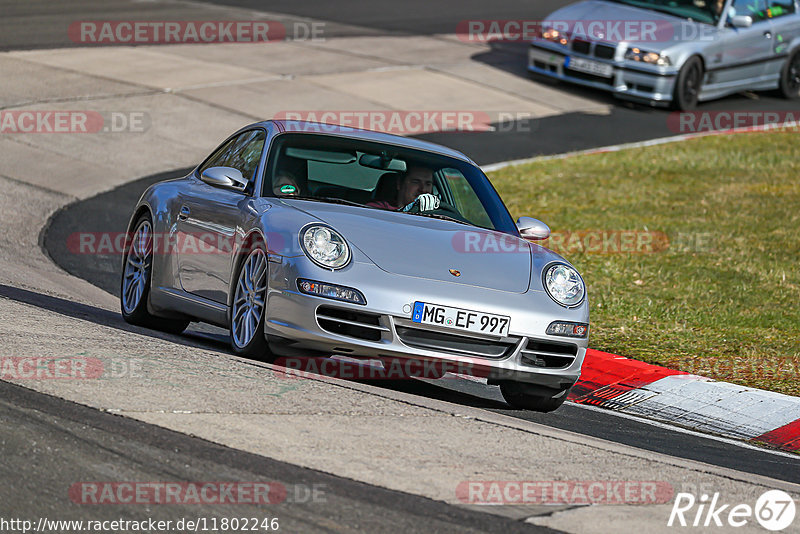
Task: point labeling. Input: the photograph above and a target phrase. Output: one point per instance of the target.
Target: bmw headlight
(643, 56)
(325, 246)
(555, 36)
(564, 285)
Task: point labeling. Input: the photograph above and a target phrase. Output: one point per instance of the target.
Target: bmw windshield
(706, 11)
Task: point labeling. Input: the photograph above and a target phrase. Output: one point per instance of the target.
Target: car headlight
(564, 285)
(325, 246)
(555, 36)
(651, 58)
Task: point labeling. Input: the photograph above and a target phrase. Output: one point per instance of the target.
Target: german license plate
(589, 67)
(458, 319)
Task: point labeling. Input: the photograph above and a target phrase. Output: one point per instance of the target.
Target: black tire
(254, 345)
(688, 85)
(133, 298)
(790, 77)
(529, 397)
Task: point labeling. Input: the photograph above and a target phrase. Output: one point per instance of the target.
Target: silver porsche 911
(677, 52)
(309, 239)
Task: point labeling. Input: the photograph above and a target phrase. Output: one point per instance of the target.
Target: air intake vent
(360, 325)
(549, 355)
(432, 340)
(581, 47)
(604, 51)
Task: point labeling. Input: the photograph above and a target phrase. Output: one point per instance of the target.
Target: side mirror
(532, 229)
(226, 177)
(741, 21)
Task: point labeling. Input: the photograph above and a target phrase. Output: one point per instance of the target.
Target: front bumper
(655, 88)
(383, 328)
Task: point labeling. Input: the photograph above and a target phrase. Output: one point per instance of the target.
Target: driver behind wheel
(414, 191)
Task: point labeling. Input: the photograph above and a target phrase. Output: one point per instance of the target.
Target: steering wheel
(446, 209)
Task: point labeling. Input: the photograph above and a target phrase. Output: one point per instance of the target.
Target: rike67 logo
(774, 510)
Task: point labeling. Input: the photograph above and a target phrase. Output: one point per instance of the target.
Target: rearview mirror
(742, 21)
(383, 162)
(532, 229)
(226, 177)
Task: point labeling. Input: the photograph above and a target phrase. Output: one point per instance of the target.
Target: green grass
(722, 297)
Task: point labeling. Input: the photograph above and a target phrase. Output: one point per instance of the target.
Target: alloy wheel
(249, 300)
(137, 267)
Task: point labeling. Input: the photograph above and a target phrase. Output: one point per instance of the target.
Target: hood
(614, 23)
(423, 247)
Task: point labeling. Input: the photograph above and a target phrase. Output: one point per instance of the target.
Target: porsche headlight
(325, 246)
(643, 56)
(564, 285)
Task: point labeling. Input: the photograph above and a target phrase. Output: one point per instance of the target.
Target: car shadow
(216, 340)
(112, 319)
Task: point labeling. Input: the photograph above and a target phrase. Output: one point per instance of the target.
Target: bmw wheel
(248, 311)
(137, 272)
(688, 85)
(790, 77)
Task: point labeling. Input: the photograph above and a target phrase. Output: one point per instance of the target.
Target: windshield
(706, 11)
(377, 176)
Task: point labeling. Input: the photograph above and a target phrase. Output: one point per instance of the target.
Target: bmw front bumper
(625, 81)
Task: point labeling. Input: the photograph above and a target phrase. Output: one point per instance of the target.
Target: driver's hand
(425, 202)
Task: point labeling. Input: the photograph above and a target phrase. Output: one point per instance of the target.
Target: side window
(466, 200)
(779, 8)
(757, 9)
(243, 152)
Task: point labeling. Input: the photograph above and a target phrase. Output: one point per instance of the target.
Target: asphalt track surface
(103, 270)
(79, 433)
(57, 442)
(44, 24)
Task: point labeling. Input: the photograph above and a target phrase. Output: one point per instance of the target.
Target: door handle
(184, 214)
(768, 34)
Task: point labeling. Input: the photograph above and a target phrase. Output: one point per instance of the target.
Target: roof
(366, 135)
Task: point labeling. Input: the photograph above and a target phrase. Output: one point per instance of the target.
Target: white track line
(682, 430)
(625, 146)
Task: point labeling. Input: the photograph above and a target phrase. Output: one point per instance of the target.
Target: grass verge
(691, 250)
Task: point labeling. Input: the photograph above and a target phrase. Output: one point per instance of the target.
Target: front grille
(581, 47)
(588, 77)
(604, 51)
(357, 324)
(438, 341)
(548, 355)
